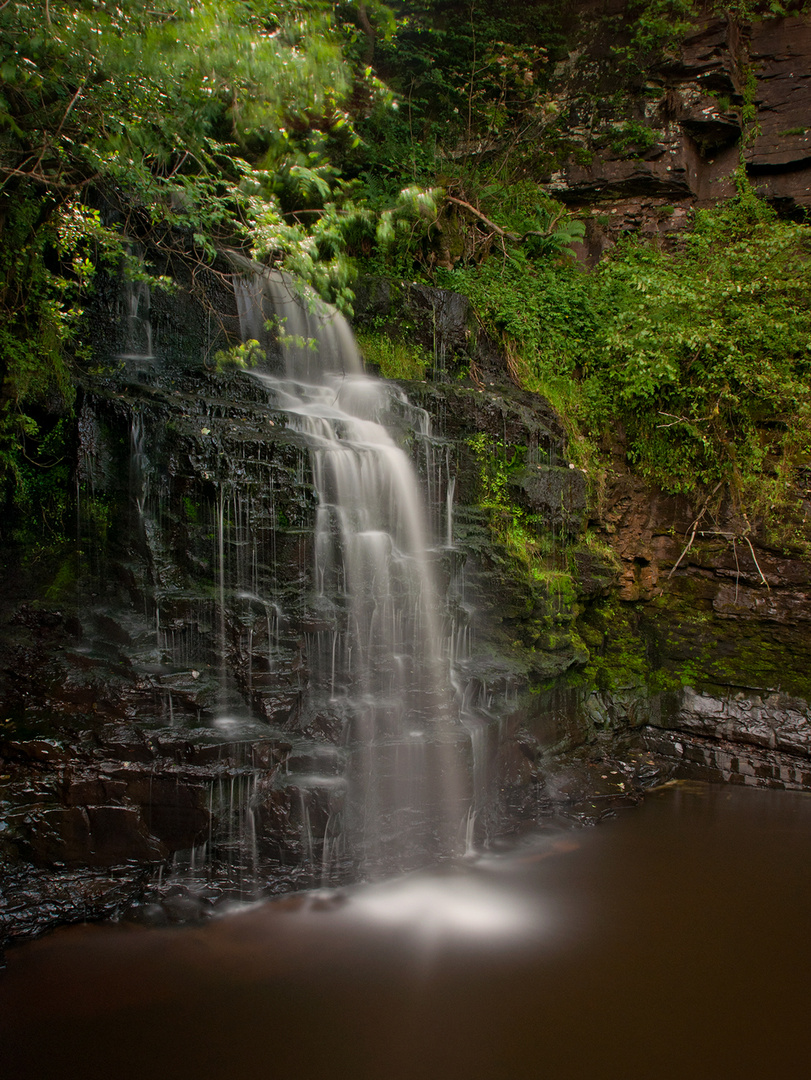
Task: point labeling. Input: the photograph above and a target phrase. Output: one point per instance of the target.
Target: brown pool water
(672, 941)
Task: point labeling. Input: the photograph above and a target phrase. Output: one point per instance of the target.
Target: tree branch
(695, 525)
(481, 217)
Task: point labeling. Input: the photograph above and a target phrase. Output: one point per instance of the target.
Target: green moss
(619, 652)
(678, 641)
(190, 509)
(97, 514)
(695, 647)
(65, 580)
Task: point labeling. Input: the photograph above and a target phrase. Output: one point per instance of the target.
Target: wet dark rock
(103, 820)
(176, 470)
(596, 574)
(732, 734)
(511, 417)
(174, 810)
(592, 782)
(780, 155)
(772, 721)
(441, 322)
(556, 493)
(184, 908)
(324, 726)
(32, 899)
(146, 915)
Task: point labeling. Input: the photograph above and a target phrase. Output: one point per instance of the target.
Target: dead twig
(681, 420)
(733, 538)
(757, 564)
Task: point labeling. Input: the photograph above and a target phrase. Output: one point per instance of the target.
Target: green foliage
(414, 209)
(700, 351)
(700, 359)
(750, 10)
(530, 554)
(43, 485)
(496, 461)
(632, 139)
(545, 314)
(39, 319)
(184, 129)
(511, 526)
(394, 358)
(656, 27)
(555, 234)
(246, 355)
(463, 76)
(227, 123)
(545, 309)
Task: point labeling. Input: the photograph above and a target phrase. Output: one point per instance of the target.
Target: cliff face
(158, 668)
(642, 153)
(703, 597)
(678, 626)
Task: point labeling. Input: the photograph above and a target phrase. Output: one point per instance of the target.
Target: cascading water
(376, 646)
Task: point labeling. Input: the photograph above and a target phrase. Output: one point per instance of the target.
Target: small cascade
(136, 321)
(377, 650)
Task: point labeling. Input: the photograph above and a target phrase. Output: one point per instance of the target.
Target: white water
(135, 302)
(377, 657)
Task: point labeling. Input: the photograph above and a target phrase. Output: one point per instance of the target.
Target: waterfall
(376, 647)
(135, 302)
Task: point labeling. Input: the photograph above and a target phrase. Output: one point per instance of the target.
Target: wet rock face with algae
(186, 599)
(158, 663)
(115, 670)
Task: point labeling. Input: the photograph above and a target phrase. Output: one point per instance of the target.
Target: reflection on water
(670, 942)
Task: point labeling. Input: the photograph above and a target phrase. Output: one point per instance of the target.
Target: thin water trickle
(449, 511)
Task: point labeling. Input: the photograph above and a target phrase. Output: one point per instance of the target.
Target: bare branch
(47, 181)
(49, 144)
(676, 565)
(481, 217)
(732, 537)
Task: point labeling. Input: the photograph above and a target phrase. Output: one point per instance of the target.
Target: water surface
(672, 941)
